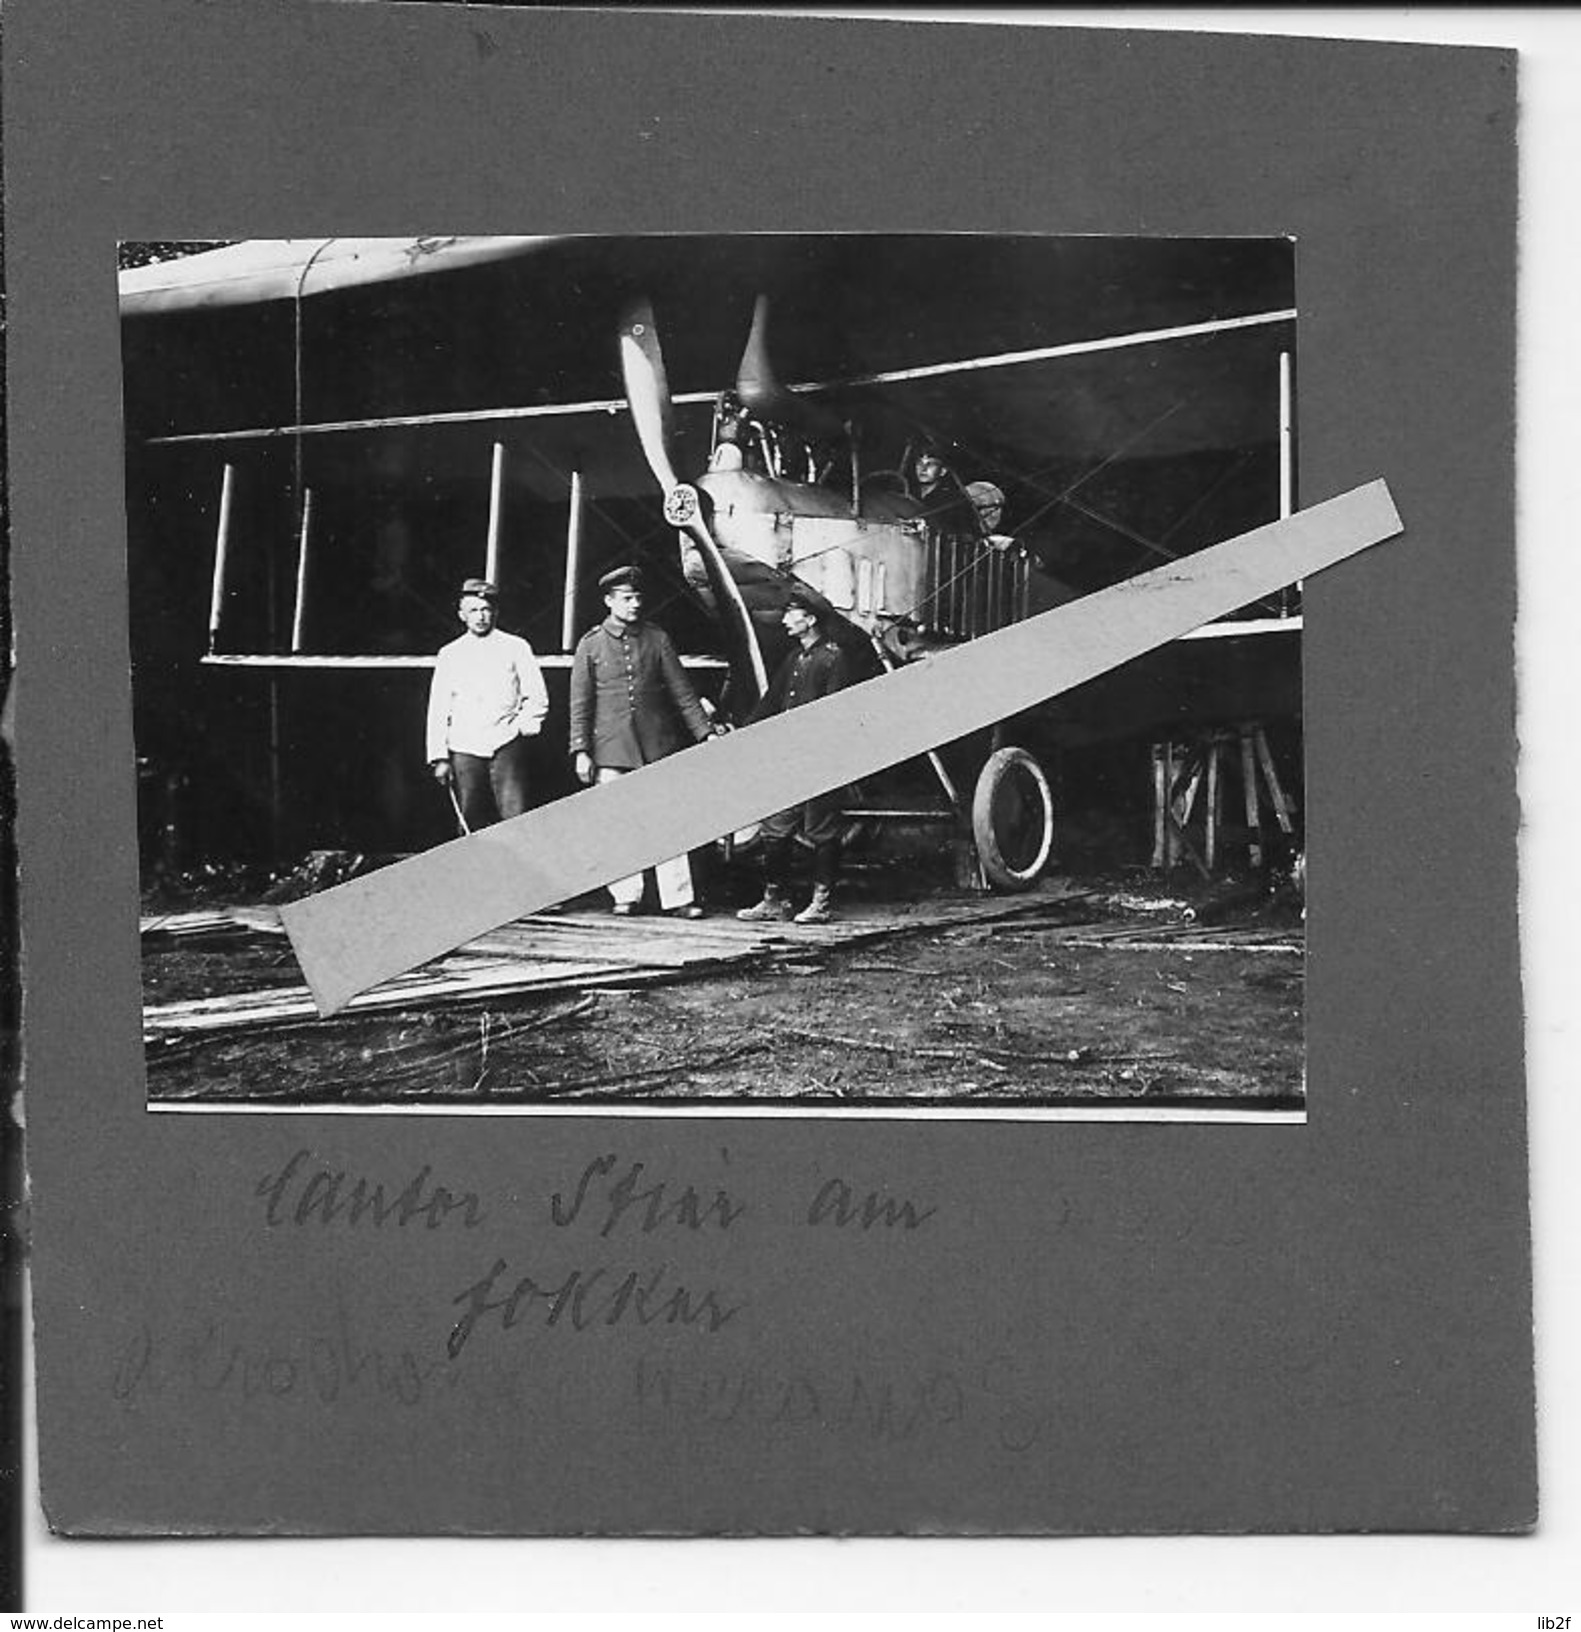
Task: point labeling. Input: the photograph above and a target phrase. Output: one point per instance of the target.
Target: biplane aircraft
(324, 437)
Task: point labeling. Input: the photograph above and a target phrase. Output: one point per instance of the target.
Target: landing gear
(1013, 819)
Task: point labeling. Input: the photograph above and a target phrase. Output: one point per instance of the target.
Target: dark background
(1309, 1328)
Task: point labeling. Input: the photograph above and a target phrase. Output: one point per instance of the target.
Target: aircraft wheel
(1013, 819)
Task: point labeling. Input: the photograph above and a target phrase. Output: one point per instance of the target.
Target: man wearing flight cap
(631, 703)
(487, 697)
(815, 668)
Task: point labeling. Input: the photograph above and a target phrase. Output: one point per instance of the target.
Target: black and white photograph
(427, 533)
(770, 784)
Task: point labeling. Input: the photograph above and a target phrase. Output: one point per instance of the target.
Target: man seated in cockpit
(936, 487)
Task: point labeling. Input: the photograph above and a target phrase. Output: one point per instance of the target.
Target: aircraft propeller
(648, 393)
(759, 388)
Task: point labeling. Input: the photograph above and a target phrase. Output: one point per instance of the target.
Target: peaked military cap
(807, 600)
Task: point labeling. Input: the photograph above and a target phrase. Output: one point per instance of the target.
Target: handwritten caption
(881, 1405)
(611, 1196)
(325, 1366)
(610, 1199)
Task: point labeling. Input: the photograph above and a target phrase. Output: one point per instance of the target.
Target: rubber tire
(1004, 769)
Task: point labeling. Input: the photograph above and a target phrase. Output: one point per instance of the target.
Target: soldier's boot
(818, 910)
(773, 908)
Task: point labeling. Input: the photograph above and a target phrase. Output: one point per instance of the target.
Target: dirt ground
(1111, 989)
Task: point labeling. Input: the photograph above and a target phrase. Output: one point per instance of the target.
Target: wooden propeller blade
(759, 388)
(648, 394)
(747, 669)
(647, 390)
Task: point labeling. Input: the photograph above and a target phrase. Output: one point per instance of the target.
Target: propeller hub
(682, 505)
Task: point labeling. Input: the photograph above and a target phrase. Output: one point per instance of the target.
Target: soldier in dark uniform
(631, 703)
(814, 669)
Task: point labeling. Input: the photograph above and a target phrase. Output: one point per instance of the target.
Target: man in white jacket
(486, 699)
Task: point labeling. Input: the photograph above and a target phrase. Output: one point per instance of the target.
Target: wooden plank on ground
(554, 953)
(289, 1003)
(1143, 943)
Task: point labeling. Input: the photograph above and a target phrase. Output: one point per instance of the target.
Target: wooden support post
(1283, 806)
(1160, 804)
(1171, 842)
(1193, 768)
(1188, 800)
(1183, 776)
(299, 616)
(1249, 785)
(222, 544)
(573, 564)
(1211, 837)
(491, 560)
